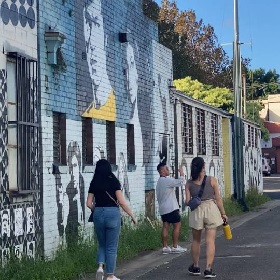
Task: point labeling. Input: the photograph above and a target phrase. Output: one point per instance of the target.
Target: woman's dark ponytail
(196, 167)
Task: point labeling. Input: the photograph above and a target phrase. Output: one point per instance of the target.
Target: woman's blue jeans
(107, 224)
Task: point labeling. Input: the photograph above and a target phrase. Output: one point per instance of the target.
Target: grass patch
(255, 198)
(232, 207)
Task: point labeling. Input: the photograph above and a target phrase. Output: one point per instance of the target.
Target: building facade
(81, 81)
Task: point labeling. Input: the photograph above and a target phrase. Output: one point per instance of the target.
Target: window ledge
(114, 167)
(88, 168)
(131, 167)
(59, 169)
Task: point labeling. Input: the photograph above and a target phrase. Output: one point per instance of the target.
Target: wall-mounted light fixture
(53, 41)
(123, 37)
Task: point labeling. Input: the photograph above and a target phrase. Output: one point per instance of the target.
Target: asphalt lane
(271, 186)
(252, 254)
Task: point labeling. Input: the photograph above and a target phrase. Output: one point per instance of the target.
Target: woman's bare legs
(210, 247)
(196, 246)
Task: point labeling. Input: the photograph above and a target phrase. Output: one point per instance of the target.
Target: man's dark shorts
(171, 218)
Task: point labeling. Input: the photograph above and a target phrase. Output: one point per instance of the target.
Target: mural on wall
(163, 149)
(3, 132)
(131, 87)
(185, 168)
(122, 176)
(5, 223)
(252, 167)
(18, 222)
(19, 12)
(103, 105)
(71, 198)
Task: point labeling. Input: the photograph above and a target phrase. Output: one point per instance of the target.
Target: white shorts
(206, 215)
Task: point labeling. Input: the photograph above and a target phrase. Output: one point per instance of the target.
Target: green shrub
(255, 198)
(232, 207)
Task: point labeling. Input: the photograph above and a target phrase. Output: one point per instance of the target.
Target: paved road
(271, 186)
(252, 254)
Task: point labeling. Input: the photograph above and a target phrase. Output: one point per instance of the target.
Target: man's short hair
(160, 165)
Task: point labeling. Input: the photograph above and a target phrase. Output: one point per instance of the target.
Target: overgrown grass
(254, 198)
(73, 262)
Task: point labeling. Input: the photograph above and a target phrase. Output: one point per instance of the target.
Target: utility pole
(244, 94)
(238, 124)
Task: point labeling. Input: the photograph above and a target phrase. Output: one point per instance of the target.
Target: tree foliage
(194, 45)
(260, 83)
(253, 109)
(218, 97)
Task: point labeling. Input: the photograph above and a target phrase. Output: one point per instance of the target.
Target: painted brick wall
(214, 163)
(20, 230)
(105, 80)
(252, 157)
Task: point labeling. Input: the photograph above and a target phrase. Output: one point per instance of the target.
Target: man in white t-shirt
(169, 207)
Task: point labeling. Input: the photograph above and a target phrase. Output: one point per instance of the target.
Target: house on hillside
(271, 117)
(271, 148)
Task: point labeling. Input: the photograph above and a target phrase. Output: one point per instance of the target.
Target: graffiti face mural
(5, 222)
(122, 176)
(132, 74)
(70, 199)
(103, 105)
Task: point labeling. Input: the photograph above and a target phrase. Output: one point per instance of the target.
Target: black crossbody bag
(196, 200)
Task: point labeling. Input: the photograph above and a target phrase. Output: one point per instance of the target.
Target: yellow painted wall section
(226, 155)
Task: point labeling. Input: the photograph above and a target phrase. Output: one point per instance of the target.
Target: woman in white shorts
(209, 215)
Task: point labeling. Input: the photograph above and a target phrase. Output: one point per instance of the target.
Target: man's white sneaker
(178, 250)
(166, 250)
(100, 273)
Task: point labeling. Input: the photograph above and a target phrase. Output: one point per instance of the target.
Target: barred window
(111, 141)
(249, 136)
(200, 123)
(253, 136)
(87, 141)
(256, 138)
(187, 129)
(130, 144)
(59, 138)
(215, 135)
(23, 123)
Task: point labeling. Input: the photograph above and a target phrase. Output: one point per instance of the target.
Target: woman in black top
(105, 197)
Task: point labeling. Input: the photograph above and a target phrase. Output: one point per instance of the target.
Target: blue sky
(258, 23)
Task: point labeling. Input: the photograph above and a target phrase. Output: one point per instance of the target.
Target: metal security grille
(200, 122)
(26, 121)
(130, 144)
(111, 141)
(249, 136)
(256, 138)
(187, 129)
(87, 141)
(253, 136)
(59, 138)
(215, 135)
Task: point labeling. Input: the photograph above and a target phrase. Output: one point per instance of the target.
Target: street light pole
(238, 124)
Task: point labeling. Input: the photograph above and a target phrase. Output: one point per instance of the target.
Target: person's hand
(181, 172)
(134, 220)
(225, 218)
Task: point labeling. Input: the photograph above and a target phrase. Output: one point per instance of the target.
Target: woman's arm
(122, 202)
(90, 199)
(187, 193)
(218, 198)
